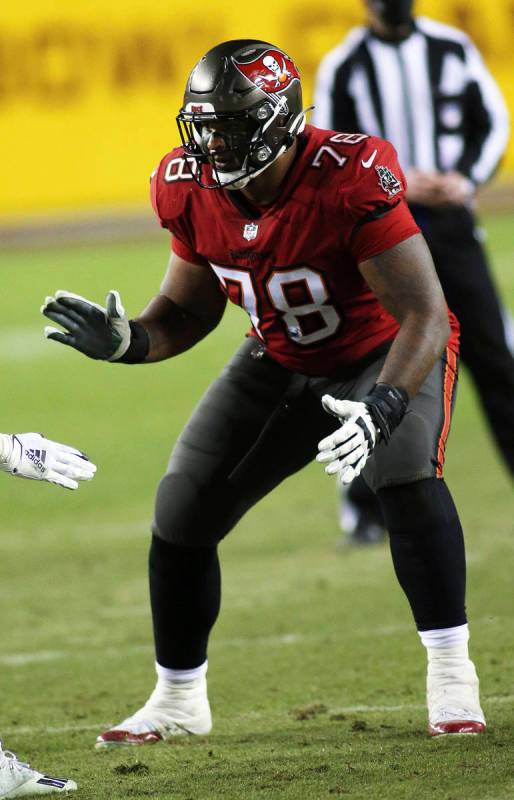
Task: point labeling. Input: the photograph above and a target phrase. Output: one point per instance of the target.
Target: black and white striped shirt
(429, 94)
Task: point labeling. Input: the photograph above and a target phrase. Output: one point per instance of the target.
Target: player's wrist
(10, 451)
(121, 341)
(387, 407)
(138, 346)
(6, 448)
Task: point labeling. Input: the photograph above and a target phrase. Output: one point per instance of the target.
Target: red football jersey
(293, 265)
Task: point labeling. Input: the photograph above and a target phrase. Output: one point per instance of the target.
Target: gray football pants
(258, 423)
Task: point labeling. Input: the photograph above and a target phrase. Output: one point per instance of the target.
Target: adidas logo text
(38, 457)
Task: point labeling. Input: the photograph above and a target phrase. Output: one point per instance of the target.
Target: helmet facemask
(254, 139)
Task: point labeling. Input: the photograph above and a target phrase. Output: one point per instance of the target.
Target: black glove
(98, 332)
(387, 406)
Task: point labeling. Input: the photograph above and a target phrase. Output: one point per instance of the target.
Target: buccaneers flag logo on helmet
(272, 71)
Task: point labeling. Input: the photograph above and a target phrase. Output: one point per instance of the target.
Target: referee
(424, 87)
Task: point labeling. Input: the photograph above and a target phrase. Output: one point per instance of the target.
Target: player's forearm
(418, 345)
(170, 329)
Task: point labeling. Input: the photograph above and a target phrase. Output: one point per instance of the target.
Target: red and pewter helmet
(249, 93)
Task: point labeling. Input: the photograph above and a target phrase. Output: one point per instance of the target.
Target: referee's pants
(462, 267)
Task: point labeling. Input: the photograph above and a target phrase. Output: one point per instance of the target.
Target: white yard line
(496, 700)
(134, 529)
(27, 344)
(112, 651)
(20, 659)
(32, 730)
(281, 640)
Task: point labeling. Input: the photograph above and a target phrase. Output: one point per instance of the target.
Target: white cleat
(19, 780)
(174, 709)
(452, 696)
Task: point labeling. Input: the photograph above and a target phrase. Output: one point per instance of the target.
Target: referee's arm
(334, 106)
(487, 121)
(340, 116)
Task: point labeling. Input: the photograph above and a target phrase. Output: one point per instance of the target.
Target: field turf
(316, 672)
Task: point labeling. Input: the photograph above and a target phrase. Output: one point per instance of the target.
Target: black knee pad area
(165, 556)
(184, 514)
(414, 506)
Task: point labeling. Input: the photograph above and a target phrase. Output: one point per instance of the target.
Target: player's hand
(347, 449)
(34, 457)
(98, 332)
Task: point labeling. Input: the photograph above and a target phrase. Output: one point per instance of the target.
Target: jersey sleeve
(379, 217)
(183, 250)
(170, 207)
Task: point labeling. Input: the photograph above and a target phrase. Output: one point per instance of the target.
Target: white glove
(98, 332)
(349, 447)
(30, 455)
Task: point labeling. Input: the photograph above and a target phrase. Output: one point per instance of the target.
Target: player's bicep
(188, 307)
(404, 279)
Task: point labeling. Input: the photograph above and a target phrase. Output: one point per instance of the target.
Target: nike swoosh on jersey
(367, 164)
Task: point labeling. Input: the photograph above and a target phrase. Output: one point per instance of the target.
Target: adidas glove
(98, 332)
(30, 455)
(363, 425)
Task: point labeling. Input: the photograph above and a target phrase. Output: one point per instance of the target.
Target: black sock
(185, 593)
(427, 546)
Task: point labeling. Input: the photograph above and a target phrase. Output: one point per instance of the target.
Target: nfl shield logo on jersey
(250, 231)
(388, 182)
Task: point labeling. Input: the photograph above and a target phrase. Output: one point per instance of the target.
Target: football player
(30, 455)
(351, 346)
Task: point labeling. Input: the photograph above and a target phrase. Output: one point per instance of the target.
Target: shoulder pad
(374, 177)
(170, 184)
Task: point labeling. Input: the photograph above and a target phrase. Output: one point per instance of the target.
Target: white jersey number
(299, 294)
(306, 317)
(326, 151)
(178, 170)
(243, 282)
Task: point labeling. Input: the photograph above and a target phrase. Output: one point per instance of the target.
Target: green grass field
(316, 672)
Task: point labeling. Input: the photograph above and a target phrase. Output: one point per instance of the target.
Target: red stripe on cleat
(113, 738)
(456, 726)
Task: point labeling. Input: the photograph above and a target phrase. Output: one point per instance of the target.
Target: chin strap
(238, 179)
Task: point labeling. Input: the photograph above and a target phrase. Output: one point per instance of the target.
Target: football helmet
(242, 109)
